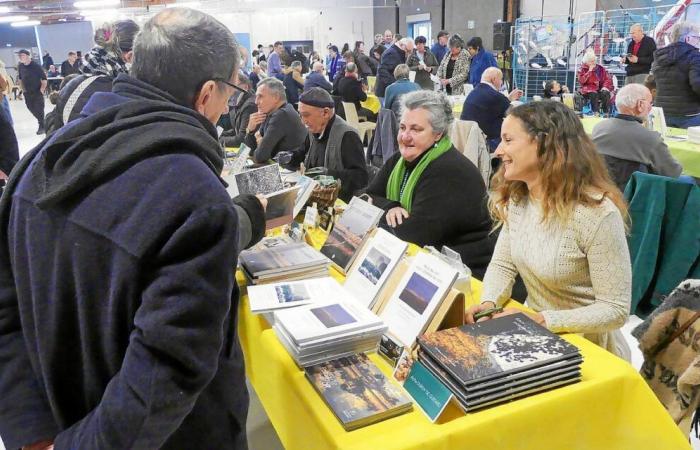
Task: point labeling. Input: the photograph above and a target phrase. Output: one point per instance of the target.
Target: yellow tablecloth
(372, 103)
(611, 409)
(686, 152)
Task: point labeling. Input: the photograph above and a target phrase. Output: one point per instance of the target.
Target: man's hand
(515, 94)
(258, 137)
(262, 200)
(395, 216)
(633, 59)
(254, 121)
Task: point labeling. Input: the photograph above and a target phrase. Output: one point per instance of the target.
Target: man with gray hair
(316, 78)
(331, 143)
(276, 126)
(394, 55)
(627, 145)
(118, 243)
(352, 90)
(293, 82)
(240, 114)
(401, 86)
(677, 71)
(640, 55)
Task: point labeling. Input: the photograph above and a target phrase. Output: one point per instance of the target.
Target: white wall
(59, 39)
(533, 8)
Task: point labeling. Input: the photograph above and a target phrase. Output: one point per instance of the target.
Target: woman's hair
(420, 40)
(475, 43)
(357, 45)
(401, 71)
(379, 49)
(117, 37)
(589, 57)
(437, 105)
(455, 41)
(571, 170)
(346, 47)
(650, 81)
(548, 86)
(348, 56)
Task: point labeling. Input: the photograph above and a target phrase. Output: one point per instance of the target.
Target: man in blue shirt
(439, 49)
(274, 63)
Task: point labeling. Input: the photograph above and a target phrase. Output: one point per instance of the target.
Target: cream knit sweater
(577, 274)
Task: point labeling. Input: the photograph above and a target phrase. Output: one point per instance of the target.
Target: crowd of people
(118, 239)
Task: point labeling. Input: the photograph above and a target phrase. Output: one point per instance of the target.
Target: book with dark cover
(282, 258)
(357, 392)
(350, 232)
(486, 350)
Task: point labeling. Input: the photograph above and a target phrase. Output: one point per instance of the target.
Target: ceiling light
(8, 19)
(4, 9)
(96, 3)
(27, 23)
(193, 5)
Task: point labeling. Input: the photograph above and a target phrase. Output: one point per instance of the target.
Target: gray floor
(261, 434)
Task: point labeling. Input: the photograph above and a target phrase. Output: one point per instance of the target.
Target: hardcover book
(357, 392)
(482, 351)
(298, 255)
(280, 207)
(262, 180)
(350, 232)
(282, 295)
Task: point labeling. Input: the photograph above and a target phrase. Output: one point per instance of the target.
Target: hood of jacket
(673, 54)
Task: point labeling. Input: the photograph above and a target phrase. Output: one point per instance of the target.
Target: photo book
(270, 297)
(357, 392)
(350, 233)
(280, 207)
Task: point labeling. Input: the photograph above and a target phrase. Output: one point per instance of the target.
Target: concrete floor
(261, 434)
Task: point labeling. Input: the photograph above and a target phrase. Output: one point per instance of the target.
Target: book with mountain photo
(350, 232)
(282, 258)
(286, 294)
(491, 349)
(357, 392)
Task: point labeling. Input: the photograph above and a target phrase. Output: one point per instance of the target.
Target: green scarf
(393, 186)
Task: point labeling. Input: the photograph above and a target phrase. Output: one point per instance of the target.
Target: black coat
(118, 299)
(350, 90)
(391, 58)
(677, 71)
(449, 208)
(645, 55)
(239, 116)
(487, 107)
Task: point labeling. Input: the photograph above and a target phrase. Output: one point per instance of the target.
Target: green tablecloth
(686, 152)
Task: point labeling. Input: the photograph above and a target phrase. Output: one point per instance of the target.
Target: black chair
(621, 170)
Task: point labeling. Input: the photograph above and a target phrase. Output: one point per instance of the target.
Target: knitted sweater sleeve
(501, 272)
(611, 278)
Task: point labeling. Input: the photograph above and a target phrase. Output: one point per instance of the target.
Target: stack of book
(357, 392)
(317, 333)
(293, 261)
(499, 360)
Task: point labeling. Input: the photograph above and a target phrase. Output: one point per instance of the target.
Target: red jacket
(595, 80)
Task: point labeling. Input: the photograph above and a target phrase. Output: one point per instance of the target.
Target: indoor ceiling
(53, 11)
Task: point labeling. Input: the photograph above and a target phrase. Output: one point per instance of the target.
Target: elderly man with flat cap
(331, 142)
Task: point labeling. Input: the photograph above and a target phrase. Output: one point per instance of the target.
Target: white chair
(354, 121)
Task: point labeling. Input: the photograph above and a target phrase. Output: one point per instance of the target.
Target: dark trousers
(596, 98)
(35, 104)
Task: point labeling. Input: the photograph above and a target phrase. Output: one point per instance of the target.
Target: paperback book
(270, 297)
(280, 207)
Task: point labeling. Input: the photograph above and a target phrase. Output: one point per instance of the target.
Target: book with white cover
(270, 297)
(306, 187)
(261, 180)
(375, 264)
(319, 321)
(419, 294)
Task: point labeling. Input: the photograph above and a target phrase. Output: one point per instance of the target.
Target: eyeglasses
(238, 88)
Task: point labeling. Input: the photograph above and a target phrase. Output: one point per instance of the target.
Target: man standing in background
(439, 49)
(274, 62)
(33, 80)
(640, 55)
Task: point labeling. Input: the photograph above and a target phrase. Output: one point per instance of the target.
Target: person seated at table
(331, 143)
(480, 60)
(110, 57)
(240, 114)
(293, 82)
(352, 90)
(276, 126)
(454, 67)
(562, 228)
(650, 83)
(486, 105)
(424, 63)
(553, 88)
(677, 71)
(53, 73)
(596, 84)
(431, 193)
(398, 88)
(317, 78)
(627, 145)
(71, 65)
(259, 72)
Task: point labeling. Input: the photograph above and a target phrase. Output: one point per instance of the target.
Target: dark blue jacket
(439, 51)
(677, 71)
(391, 58)
(487, 107)
(292, 88)
(118, 301)
(316, 79)
(481, 61)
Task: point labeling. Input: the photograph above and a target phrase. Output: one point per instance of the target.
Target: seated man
(351, 90)
(240, 115)
(293, 82)
(401, 86)
(316, 78)
(486, 105)
(596, 84)
(276, 126)
(332, 143)
(626, 144)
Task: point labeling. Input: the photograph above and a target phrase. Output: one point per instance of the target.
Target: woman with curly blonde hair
(562, 228)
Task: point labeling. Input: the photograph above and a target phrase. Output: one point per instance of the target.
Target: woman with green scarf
(432, 194)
